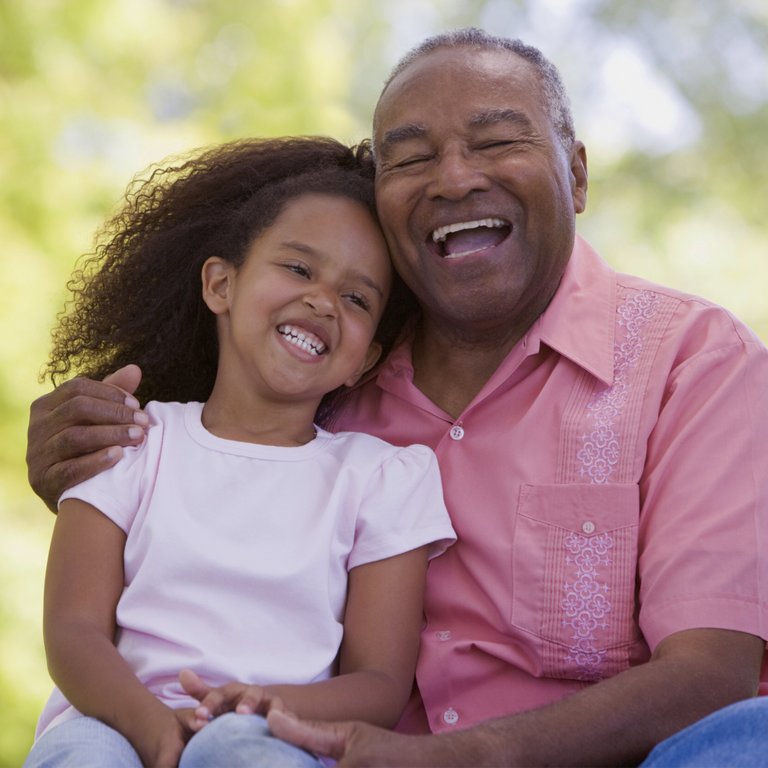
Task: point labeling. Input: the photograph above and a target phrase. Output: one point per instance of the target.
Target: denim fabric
(229, 741)
(734, 737)
(82, 742)
(242, 741)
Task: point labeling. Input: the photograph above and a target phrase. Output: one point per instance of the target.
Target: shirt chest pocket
(574, 560)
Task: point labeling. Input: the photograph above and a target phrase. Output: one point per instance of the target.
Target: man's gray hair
(557, 102)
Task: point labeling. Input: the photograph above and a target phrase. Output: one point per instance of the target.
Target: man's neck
(450, 369)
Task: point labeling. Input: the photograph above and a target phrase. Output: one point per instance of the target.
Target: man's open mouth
(467, 237)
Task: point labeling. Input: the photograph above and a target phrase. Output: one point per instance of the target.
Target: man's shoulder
(685, 313)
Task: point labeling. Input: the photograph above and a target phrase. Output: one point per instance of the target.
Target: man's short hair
(557, 102)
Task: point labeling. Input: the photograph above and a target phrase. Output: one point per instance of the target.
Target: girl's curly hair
(137, 297)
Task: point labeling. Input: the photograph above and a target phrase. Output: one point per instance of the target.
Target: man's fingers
(82, 409)
(329, 739)
(78, 441)
(81, 387)
(66, 474)
(127, 378)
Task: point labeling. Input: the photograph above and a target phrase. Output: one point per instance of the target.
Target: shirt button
(443, 634)
(588, 527)
(456, 432)
(450, 716)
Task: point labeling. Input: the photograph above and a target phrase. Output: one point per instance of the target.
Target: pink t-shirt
(609, 487)
(237, 554)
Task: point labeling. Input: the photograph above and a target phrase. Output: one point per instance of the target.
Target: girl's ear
(371, 358)
(217, 276)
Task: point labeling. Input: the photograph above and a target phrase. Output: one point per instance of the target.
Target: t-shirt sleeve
(704, 522)
(402, 509)
(117, 492)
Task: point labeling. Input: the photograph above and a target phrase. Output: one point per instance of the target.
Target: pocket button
(588, 527)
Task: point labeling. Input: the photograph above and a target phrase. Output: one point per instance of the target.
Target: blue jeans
(242, 741)
(229, 741)
(82, 742)
(734, 737)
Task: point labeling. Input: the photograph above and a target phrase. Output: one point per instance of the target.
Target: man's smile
(467, 237)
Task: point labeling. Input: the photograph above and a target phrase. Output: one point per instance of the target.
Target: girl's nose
(321, 300)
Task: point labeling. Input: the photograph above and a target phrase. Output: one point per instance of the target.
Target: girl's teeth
(309, 344)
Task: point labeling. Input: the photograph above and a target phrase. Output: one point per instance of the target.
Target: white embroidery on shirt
(586, 604)
(600, 449)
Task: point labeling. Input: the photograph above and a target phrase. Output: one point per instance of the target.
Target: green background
(671, 98)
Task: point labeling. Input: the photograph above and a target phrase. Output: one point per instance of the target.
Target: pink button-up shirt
(608, 485)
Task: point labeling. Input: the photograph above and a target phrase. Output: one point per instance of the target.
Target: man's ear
(217, 276)
(371, 358)
(579, 176)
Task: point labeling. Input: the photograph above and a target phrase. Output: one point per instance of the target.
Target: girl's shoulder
(365, 448)
(162, 412)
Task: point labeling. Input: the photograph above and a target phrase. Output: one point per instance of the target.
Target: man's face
(476, 193)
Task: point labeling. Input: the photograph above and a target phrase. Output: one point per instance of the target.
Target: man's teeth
(306, 341)
(442, 232)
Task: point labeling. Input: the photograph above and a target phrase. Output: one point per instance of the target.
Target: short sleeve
(402, 509)
(704, 524)
(117, 492)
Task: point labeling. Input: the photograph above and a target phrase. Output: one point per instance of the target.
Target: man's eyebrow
(496, 116)
(297, 245)
(488, 117)
(400, 134)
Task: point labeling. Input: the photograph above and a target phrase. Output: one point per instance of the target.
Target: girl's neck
(286, 424)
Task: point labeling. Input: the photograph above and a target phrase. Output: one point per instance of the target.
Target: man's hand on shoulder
(80, 429)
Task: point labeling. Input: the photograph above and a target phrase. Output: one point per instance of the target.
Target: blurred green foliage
(93, 91)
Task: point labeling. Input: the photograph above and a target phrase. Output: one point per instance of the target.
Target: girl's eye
(359, 300)
(298, 269)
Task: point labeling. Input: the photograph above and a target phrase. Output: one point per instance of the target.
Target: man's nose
(456, 174)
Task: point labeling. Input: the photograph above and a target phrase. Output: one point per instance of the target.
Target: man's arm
(78, 430)
(614, 722)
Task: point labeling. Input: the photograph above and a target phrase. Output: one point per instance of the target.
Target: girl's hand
(162, 739)
(232, 697)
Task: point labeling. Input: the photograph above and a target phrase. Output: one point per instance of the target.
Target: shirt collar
(579, 322)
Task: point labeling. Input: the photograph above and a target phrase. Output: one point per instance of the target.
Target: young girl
(240, 541)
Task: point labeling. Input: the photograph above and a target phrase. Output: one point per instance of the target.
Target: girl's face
(296, 320)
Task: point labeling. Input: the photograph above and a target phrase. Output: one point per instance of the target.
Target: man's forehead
(494, 68)
(483, 62)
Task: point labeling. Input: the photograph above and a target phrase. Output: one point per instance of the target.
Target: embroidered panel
(586, 603)
(600, 449)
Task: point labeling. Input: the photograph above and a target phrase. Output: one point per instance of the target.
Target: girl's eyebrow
(297, 245)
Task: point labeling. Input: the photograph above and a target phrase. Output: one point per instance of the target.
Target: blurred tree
(670, 95)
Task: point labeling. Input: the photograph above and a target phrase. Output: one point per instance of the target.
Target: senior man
(603, 442)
